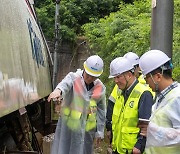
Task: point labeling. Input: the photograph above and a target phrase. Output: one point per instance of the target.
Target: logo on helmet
(94, 68)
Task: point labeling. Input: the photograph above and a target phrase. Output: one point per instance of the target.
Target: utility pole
(162, 25)
(57, 26)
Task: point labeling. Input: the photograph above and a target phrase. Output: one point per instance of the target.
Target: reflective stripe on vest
(116, 91)
(125, 119)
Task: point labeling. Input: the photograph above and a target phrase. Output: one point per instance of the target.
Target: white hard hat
(132, 57)
(152, 60)
(94, 66)
(119, 65)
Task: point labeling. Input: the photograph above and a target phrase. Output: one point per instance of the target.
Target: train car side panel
(24, 69)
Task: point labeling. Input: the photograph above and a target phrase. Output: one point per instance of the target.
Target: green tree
(120, 32)
(45, 11)
(73, 14)
(128, 30)
(176, 41)
(112, 27)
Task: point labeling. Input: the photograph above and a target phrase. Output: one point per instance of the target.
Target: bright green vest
(73, 117)
(125, 119)
(116, 91)
(142, 80)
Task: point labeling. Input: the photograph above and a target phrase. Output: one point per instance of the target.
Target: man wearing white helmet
(134, 59)
(163, 130)
(82, 116)
(133, 101)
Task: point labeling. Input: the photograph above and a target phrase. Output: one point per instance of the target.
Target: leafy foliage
(45, 12)
(110, 33)
(129, 30)
(176, 41)
(73, 14)
(120, 32)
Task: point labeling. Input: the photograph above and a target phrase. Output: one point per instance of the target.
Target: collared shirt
(163, 93)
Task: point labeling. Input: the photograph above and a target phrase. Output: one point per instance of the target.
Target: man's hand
(143, 131)
(55, 95)
(143, 128)
(136, 151)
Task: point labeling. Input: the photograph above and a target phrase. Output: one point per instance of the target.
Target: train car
(25, 79)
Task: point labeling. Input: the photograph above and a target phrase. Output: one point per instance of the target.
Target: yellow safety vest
(141, 80)
(125, 119)
(73, 113)
(91, 119)
(116, 91)
(72, 117)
